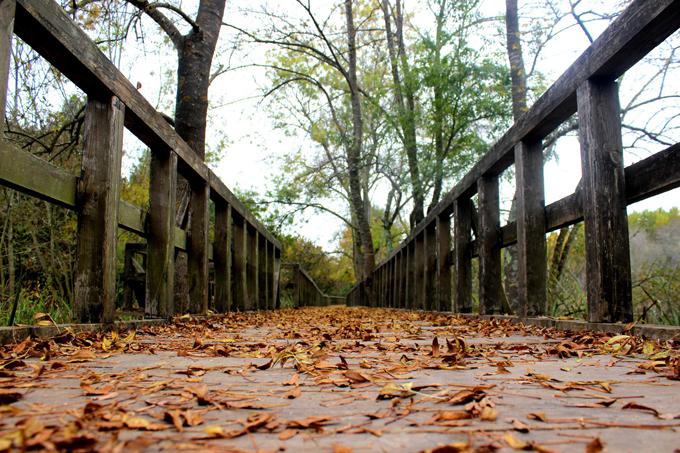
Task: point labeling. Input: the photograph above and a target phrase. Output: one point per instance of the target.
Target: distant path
(353, 380)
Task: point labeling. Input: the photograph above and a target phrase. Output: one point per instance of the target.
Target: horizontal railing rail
(305, 291)
(246, 256)
(418, 273)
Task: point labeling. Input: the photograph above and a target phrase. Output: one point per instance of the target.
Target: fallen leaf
(595, 446)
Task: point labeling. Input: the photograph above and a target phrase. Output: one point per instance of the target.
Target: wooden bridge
(414, 370)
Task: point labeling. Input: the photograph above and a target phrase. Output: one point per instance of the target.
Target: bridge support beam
(444, 262)
(222, 257)
(197, 247)
(98, 195)
(239, 265)
(160, 272)
(490, 290)
(462, 225)
(604, 203)
(531, 248)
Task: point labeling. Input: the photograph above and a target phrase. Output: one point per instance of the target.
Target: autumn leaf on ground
(392, 390)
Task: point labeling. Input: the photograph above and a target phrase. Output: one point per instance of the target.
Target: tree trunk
(517, 71)
(404, 97)
(354, 151)
(519, 107)
(194, 58)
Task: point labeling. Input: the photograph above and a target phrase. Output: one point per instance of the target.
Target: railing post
(418, 287)
(604, 203)
(462, 225)
(160, 272)
(197, 246)
(262, 269)
(222, 257)
(393, 281)
(98, 195)
(253, 269)
(443, 261)
(7, 10)
(430, 269)
(410, 277)
(490, 291)
(531, 281)
(239, 264)
(403, 277)
(269, 255)
(276, 271)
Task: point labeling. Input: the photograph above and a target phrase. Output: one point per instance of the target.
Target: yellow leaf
(514, 442)
(213, 430)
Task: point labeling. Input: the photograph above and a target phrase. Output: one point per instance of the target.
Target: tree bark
(519, 107)
(404, 98)
(517, 71)
(359, 203)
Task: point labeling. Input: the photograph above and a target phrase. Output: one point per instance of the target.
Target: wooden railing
(246, 256)
(418, 273)
(304, 290)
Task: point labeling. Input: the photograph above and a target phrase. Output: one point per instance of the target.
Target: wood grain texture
(430, 268)
(222, 257)
(604, 204)
(98, 195)
(7, 9)
(444, 302)
(239, 264)
(531, 249)
(197, 247)
(252, 269)
(160, 273)
(490, 291)
(462, 225)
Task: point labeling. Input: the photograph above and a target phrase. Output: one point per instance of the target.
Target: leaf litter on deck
(352, 378)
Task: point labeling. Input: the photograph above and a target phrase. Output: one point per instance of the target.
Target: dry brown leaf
(288, 434)
(595, 446)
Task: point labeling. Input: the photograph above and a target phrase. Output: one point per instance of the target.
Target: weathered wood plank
(408, 276)
(444, 263)
(239, 264)
(419, 265)
(222, 257)
(197, 247)
(462, 225)
(98, 194)
(218, 190)
(656, 174)
(531, 250)
(252, 269)
(604, 204)
(430, 268)
(490, 291)
(160, 273)
(262, 273)
(31, 175)
(7, 9)
(276, 272)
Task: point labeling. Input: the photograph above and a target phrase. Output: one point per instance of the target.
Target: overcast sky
(253, 146)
